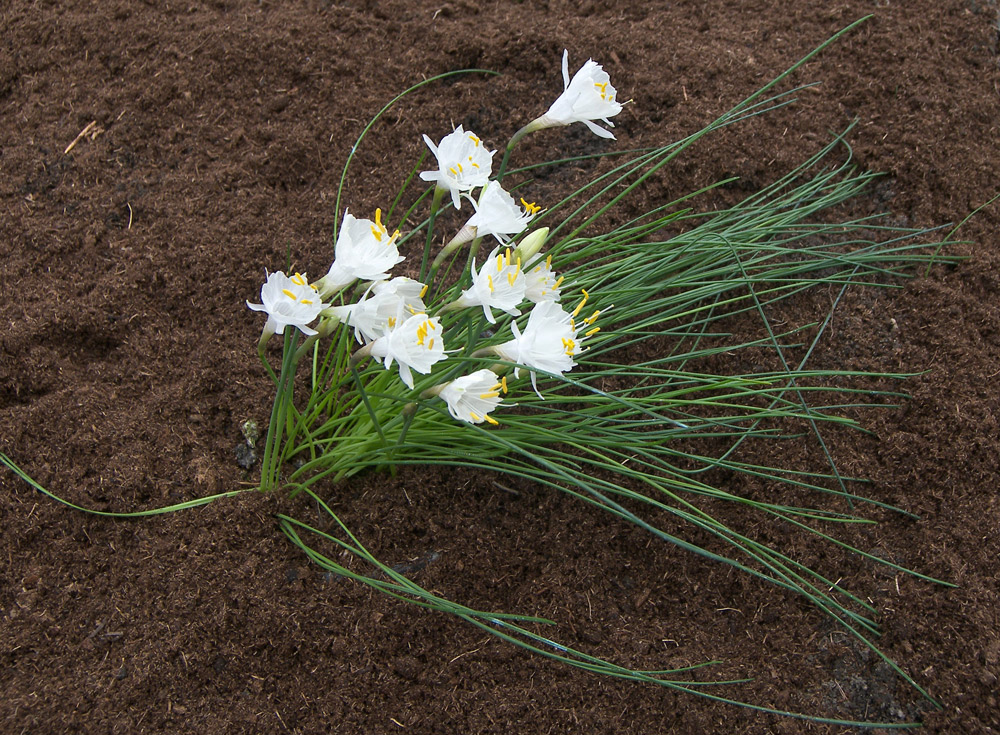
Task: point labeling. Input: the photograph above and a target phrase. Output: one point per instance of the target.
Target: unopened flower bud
(531, 245)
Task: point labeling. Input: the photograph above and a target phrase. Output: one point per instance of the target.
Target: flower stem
(529, 128)
(439, 193)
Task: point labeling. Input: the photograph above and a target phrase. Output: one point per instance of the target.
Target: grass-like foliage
(637, 437)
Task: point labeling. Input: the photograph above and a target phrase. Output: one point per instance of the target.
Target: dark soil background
(214, 135)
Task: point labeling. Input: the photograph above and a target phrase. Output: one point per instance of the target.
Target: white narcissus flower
(549, 340)
(415, 342)
(463, 163)
(377, 311)
(499, 284)
(288, 302)
(365, 250)
(587, 97)
(472, 397)
(499, 215)
(541, 283)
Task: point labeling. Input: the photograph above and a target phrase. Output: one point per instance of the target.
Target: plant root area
(156, 158)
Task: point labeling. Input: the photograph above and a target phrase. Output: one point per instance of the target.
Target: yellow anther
(530, 207)
(592, 332)
(548, 262)
(298, 279)
(491, 394)
(423, 291)
(392, 322)
(499, 262)
(459, 167)
(474, 163)
(507, 257)
(559, 282)
(593, 317)
(453, 171)
(475, 416)
(503, 383)
(289, 294)
(430, 324)
(511, 277)
(474, 139)
(430, 345)
(489, 282)
(491, 420)
(306, 301)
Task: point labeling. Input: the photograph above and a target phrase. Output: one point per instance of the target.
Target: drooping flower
(288, 302)
(365, 250)
(376, 312)
(499, 284)
(498, 214)
(463, 163)
(587, 97)
(541, 283)
(415, 342)
(470, 398)
(549, 341)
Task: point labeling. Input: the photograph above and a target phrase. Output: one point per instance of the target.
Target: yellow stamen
(459, 167)
(491, 420)
(506, 261)
(474, 139)
(306, 301)
(423, 291)
(474, 163)
(503, 383)
(392, 322)
(511, 277)
(475, 416)
(593, 317)
(530, 207)
(548, 262)
(489, 282)
(592, 332)
(491, 394)
(559, 282)
(298, 279)
(289, 294)
(453, 171)
(499, 262)
(430, 345)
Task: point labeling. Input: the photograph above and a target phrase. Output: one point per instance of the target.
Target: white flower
(472, 397)
(288, 302)
(497, 213)
(415, 342)
(541, 283)
(548, 343)
(365, 250)
(499, 284)
(587, 97)
(463, 163)
(376, 312)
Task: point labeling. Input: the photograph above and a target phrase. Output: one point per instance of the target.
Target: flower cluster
(391, 321)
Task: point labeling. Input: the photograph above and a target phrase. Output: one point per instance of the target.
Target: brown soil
(217, 131)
